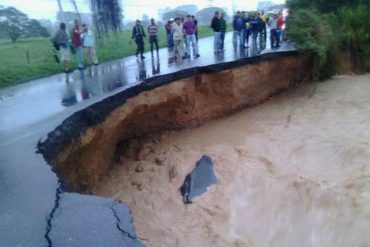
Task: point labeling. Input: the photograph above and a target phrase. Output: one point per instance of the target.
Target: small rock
(134, 183)
(172, 173)
(139, 168)
(158, 161)
(140, 187)
(122, 160)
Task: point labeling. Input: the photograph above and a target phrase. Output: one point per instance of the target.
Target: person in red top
(280, 21)
(280, 24)
(77, 44)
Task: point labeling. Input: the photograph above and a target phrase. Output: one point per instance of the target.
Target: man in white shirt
(178, 38)
(89, 44)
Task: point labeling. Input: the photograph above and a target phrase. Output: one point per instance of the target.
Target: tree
(162, 11)
(14, 22)
(145, 19)
(174, 14)
(35, 29)
(190, 8)
(107, 15)
(206, 15)
(328, 29)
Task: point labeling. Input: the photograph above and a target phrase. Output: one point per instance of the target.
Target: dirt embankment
(177, 105)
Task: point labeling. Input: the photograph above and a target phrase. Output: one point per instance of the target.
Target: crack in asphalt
(58, 192)
(118, 226)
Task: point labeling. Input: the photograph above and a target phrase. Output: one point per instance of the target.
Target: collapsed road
(81, 145)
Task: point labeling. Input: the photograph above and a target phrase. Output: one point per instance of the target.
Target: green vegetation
(14, 24)
(14, 66)
(328, 29)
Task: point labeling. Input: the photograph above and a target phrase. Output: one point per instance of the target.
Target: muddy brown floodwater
(294, 171)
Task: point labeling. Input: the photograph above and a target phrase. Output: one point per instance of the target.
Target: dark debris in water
(200, 178)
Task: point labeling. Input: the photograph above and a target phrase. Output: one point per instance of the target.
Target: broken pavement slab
(83, 220)
(200, 178)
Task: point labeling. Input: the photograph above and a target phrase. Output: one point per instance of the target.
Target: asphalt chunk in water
(200, 178)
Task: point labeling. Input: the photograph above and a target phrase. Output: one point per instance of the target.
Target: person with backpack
(78, 45)
(89, 44)
(138, 35)
(61, 43)
(215, 25)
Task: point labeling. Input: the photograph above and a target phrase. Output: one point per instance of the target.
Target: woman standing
(89, 44)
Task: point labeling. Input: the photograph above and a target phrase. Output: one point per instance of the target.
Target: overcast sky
(133, 9)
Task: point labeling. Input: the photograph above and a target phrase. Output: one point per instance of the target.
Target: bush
(326, 27)
(354, 34)
(313, 34)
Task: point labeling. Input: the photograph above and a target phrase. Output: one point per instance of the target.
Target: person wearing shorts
(61, 43)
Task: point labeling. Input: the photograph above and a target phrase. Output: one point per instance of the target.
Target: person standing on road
(196, 27)
(260, 27)
(274, 32)
(138, 35)
(223, 28)
(247, 30)
(77, 44)
(153, 35)
(265, 19)
(238, 27)
(288, 21)
(169, 33)
(89, 44)
(215, 25)
(189, 30)
(178, 38)
(61, 43)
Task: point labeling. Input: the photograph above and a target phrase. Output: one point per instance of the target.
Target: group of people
(181, 34)
(82, 38)
(255, 25)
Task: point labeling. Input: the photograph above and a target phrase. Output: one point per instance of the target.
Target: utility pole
(61, 12)
(76, 9)
(233, 7)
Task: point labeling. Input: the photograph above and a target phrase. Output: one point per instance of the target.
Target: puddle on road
(294, 171)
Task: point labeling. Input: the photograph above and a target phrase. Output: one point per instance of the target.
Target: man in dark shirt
(138, 35)
(77, 44)
(259, 28)
(238, 27)
(215, 25)
(196, 25)
(169, 33)
(223, 28)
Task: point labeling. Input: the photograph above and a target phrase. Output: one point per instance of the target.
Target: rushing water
(294, 171)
